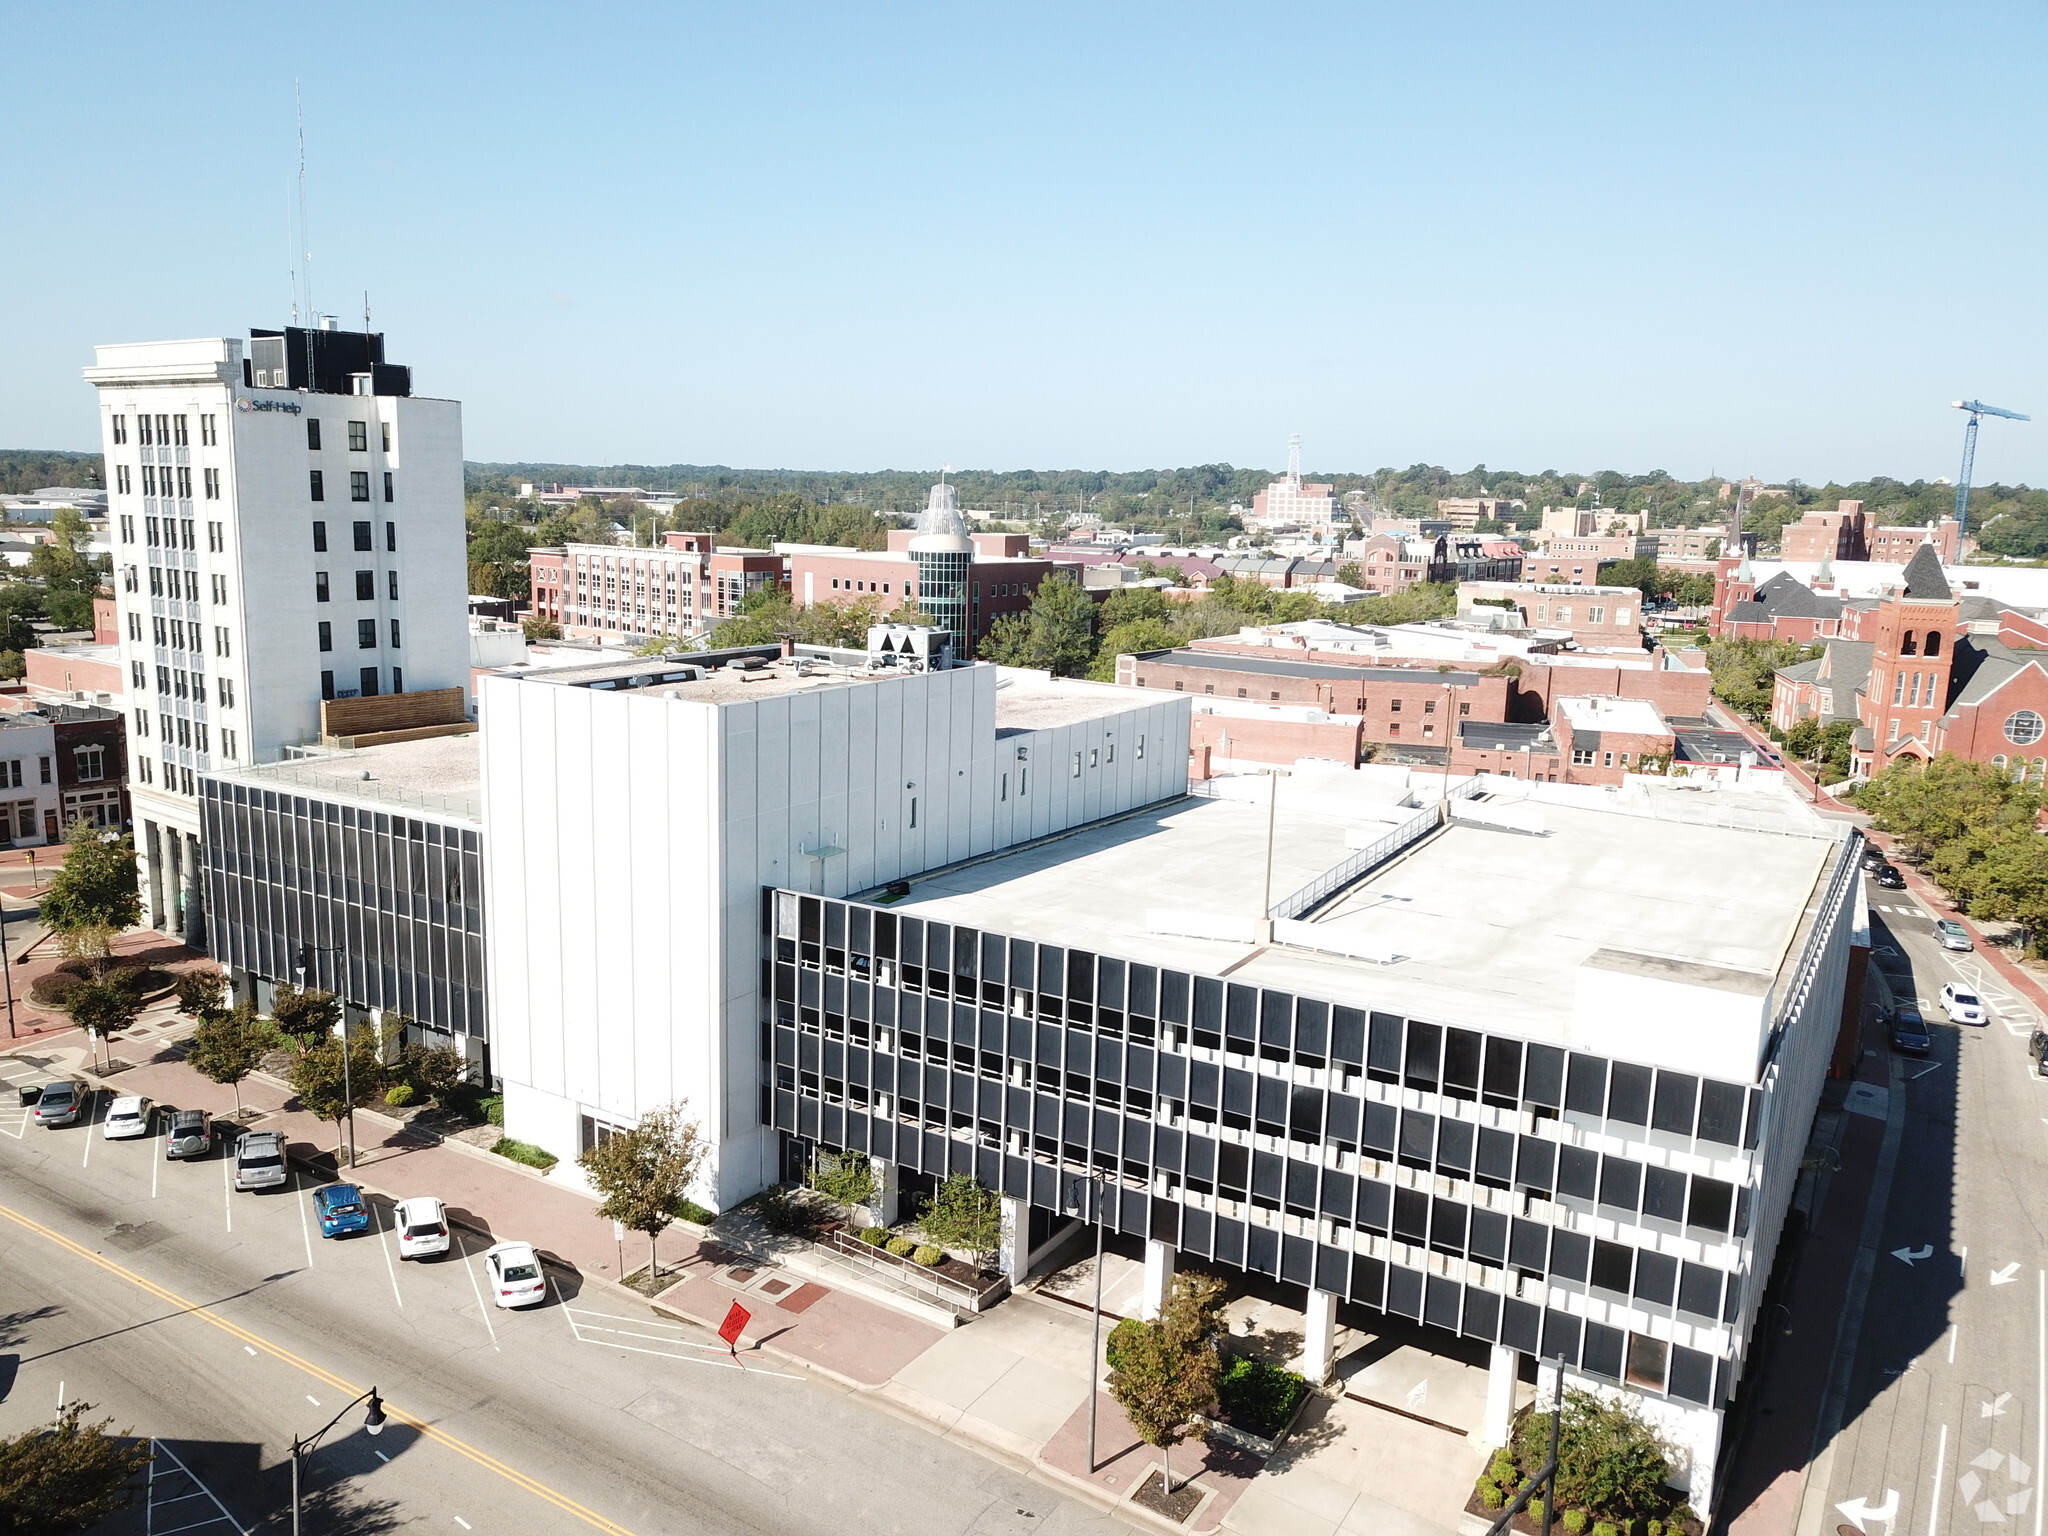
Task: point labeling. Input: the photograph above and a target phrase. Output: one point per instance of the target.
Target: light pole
(373, 1421)
(1275, 775)
(1074, 1186)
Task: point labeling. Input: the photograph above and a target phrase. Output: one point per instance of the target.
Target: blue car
(340, 1209)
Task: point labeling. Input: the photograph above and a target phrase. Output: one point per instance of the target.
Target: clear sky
(1748, 238)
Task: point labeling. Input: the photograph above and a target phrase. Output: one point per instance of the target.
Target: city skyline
(1600, 238)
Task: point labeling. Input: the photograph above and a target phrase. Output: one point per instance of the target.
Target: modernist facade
(1561, 1144)
(287, 525)
(637, 810)
(360, 874)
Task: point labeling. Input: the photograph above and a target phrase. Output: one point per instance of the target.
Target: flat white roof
(1594, 714)
(1490, 926)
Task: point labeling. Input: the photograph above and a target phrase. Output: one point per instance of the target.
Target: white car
(422, 1225)
(514, 1271)
(128, 1118)
(1963, 1006)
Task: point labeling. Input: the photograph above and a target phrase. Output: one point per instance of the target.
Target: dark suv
(1889, 878)
(2037, 1047)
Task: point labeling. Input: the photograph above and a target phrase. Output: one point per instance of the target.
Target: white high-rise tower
(287, 527)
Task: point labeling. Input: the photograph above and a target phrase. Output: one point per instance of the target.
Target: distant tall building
(287, 528)
(944, 551)
(1292, 503)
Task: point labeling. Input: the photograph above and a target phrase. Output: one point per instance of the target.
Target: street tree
(230, 1044)
(332, 1087)
(93, 896)
(201, 991)
(1168, 1371)
(68, 1475)
(105, 1005)
(645, 1174)
(304, 1013)
(963, 1214)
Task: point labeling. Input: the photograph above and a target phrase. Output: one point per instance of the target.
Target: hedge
(524, 1152)
(1260, 1397)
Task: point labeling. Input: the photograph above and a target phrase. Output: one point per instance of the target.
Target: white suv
(422, 1227)
(1962, 1005)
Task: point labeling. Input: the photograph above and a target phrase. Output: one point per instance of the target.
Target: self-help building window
(120, 429)
(318, 485)
(366, 586)
(364, 539)
(359, 437)
(320, 586)
(359, 485)
(387, 486)
(313, 432)
(366, 634)
(209, 432)
(213, 485)
(178, 431)
(320, 538)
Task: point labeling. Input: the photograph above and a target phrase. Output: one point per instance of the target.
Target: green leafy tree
(1945, 801)
(645, 1174)
(303, 1013)
(845, 1179)
(537, 628)
(1352, 574)
(1129, 639)
(93, 896)
(1167, 1373)
(201, 991)
(964, 1215)
(1056, 635)
(497, 558)
(67, 1476)
(583, 524)
(1609, 1460)
(105, 1005)
(1694, 591)
(327, 1089)
(229, 1045)
(1744, 670)
(20, 606)
(1130, 604)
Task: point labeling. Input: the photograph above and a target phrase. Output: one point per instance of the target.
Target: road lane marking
(151, 1503)
(385, 1249)
(1955, 1332)
(227, 1191)
(1940, 1462)
(462, 1522)
(92, 1103)
(2040, 1382)
(719, 1360)
(276, 1351)
(313, 1400)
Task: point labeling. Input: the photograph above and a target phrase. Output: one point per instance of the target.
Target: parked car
(341, 1210)
(1963, 1006)
(1873, 856)
(189, 1134)
(1909, 1032)
(422, 1227)
(259, 1160)
(1889, 878)
(61, 1103)
(2037, 1047)
(516, 1280)
(128, 1118)
(1952, 934)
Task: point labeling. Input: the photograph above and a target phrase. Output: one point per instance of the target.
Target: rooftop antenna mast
(1294, 461)
(305, 236)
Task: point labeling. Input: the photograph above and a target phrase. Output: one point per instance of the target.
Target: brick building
(681, 586)
(1002, 576)
(1597, 617)
(1585, 740)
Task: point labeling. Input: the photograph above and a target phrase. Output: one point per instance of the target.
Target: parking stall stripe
(278, 1352)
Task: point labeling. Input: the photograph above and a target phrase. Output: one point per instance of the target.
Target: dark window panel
(1375, 1203)
(1529, 1246)
(1543, 1076)
(1621, 1184)
(1496, 1160)
(1664, 1194)
(1404, 1292)
(1699, 1290)
(1420, 1063)
(1447, 1225)
(1383, 1048)
(1311, 1027)
(1692, 1376)
(1378, 1135)
(1536, 1165)
(1347, 1036)
(1570, 1253)
(1462, 1056)
(1241, 1014)
(1578, 1172)
(1442, 1301)
(1521, 1324)
(1418, 1136)
(1602, 1352)
(1489, 1236)
(1628, 1094)
(1454, 1147)
(1710, 1204)
(1586, 1085)
(1173, 997)
(1611, 1266)
(1503, 1080)
(1561, 1337)
(1656, 1277)
(1411, 1215)
(1720, 1119)
(1673, 1112)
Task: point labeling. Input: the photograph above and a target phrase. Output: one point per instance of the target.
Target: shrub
(1502, 1469)
(1605, 1528)
(787, 1215)
(1609, 1459)
(901, 1246)
(1575, 1521)
(398, 1097)
(1121, 1337)
(494, 1110)
(927, 1255)
(845, 1179)
(1260, 1397)
(1490, 1494)
(1534, 1510)
(1656, 1528)
(874, 1237)
(524, 1152)
(690, 1210)
(55, 990)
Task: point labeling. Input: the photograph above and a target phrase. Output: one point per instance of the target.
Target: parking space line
(152, 1503)
(385, 1249)
(721, 1357)
(305, 1227)
(93, 1103)
(156, 1156)
(227, 1191)
(484, 1311)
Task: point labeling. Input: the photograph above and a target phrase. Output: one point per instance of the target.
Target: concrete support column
(1503, 1369)
(1319, 1336)
(153, 869)
(1159, 1259)
(1015, 1251)
(195, 901)
(888, 1192)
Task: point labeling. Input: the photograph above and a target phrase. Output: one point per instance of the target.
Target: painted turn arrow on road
(1859, 1509)
(1908, 1255)
(2007, 1275)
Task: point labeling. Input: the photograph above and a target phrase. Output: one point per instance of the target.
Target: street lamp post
(373, 1421)
(1094, 1184)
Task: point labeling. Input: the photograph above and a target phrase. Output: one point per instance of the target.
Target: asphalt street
(1946, 1423)
(222, 1324)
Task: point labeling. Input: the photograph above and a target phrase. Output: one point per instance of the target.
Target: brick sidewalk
(857, 1342)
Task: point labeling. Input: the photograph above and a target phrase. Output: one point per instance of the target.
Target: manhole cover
(130, 1236)
(741, 1275)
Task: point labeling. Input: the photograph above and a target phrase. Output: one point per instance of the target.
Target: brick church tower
(1915, 630)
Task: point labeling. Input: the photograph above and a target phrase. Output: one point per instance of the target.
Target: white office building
(287, 527)
(638, 811)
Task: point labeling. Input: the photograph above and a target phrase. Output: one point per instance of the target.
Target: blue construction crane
(1978, 411)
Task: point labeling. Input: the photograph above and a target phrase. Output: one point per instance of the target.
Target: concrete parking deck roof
(1490, 925)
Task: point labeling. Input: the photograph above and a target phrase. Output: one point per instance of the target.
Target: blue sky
(1772, 238)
